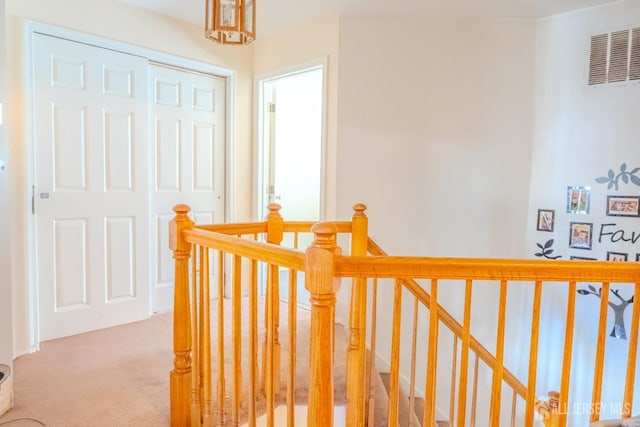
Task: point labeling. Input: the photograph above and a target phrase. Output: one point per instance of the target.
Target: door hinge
(33, 200)
(271, 107)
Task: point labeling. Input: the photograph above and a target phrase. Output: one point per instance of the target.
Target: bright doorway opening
(290, 151)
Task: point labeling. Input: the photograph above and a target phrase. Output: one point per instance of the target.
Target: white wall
(6, 333)
(580, 133)
(434, 134)
(435, 124)
(118, 21)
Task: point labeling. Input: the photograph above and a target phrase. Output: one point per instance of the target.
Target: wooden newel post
(275, 234)
(356, 353)
(180, 377)
(550, 410)
(554, 406)
(322, 285)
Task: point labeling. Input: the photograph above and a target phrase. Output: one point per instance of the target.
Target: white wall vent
(615, 57)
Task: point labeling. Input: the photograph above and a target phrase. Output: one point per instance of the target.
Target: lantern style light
(231, 21)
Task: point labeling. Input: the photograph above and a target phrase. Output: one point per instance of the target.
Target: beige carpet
(120, 376)
(112, 377)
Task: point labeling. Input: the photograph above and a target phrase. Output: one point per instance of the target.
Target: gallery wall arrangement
(611, 236)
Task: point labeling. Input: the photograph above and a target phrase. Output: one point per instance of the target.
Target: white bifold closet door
(188, 133)
(91, 186)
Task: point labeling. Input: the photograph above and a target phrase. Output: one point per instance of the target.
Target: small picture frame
(582, 258)
(546, 218)
(616, 256)
(578, 200)
(623, 205)
(637, 257)
(580, 235)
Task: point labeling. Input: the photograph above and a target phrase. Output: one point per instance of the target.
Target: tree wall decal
(626, 175)
(618, 330)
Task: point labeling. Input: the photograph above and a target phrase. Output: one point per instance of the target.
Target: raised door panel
(70, 264)
(118, 143)
(168, 155)
(120, 260)
(69, 138)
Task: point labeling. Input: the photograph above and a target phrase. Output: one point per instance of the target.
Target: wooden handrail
(261, 227)
(235, 228)
(265, 252)
(485, 269)
(454, 326)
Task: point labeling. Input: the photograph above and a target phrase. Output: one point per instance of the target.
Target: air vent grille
(598, 63)
(615, 57)
(634, 65)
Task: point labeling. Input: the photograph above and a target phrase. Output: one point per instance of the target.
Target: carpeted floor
(113, 377)
(120, 376)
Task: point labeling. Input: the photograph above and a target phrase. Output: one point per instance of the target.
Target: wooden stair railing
(505, 271)
(324, 266)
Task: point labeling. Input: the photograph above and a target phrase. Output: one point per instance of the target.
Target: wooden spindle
(356, 352)
(568, 352)
(180, 376)
(600, 348)
(222, 387)
(372, 345)
(195, 338)
(514, 401)
(432, 358)
(464, 355)
(205, 340)
(533, 355)
(474, 395)
(452, 398)
(412, 376)
(236, 336)
(498, 369)
(292, 310)
(253, 344)
(632, 355)
(322, 285)
(275, 234)
(394, 371)
(269, 370)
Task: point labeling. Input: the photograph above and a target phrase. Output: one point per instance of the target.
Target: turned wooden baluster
(180, 377)
(275, 232)
(322, 285)
(356, 352)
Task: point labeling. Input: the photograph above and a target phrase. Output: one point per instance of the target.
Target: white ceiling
(273, 15)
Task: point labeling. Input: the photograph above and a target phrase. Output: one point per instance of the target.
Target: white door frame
(258, 151)
(31, 28)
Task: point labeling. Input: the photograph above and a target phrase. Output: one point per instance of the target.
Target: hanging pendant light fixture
(231, 21)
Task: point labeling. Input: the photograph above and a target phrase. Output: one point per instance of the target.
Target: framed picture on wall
(582, 258)
(616, 256)
(546, 219)
(580, 235)
(637, 257)
(578, 200)
(623, 205)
